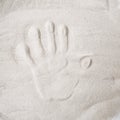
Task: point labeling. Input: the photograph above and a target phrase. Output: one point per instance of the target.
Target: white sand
(72, 72)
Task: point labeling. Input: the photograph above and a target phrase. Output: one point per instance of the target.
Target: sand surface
(60, 60)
